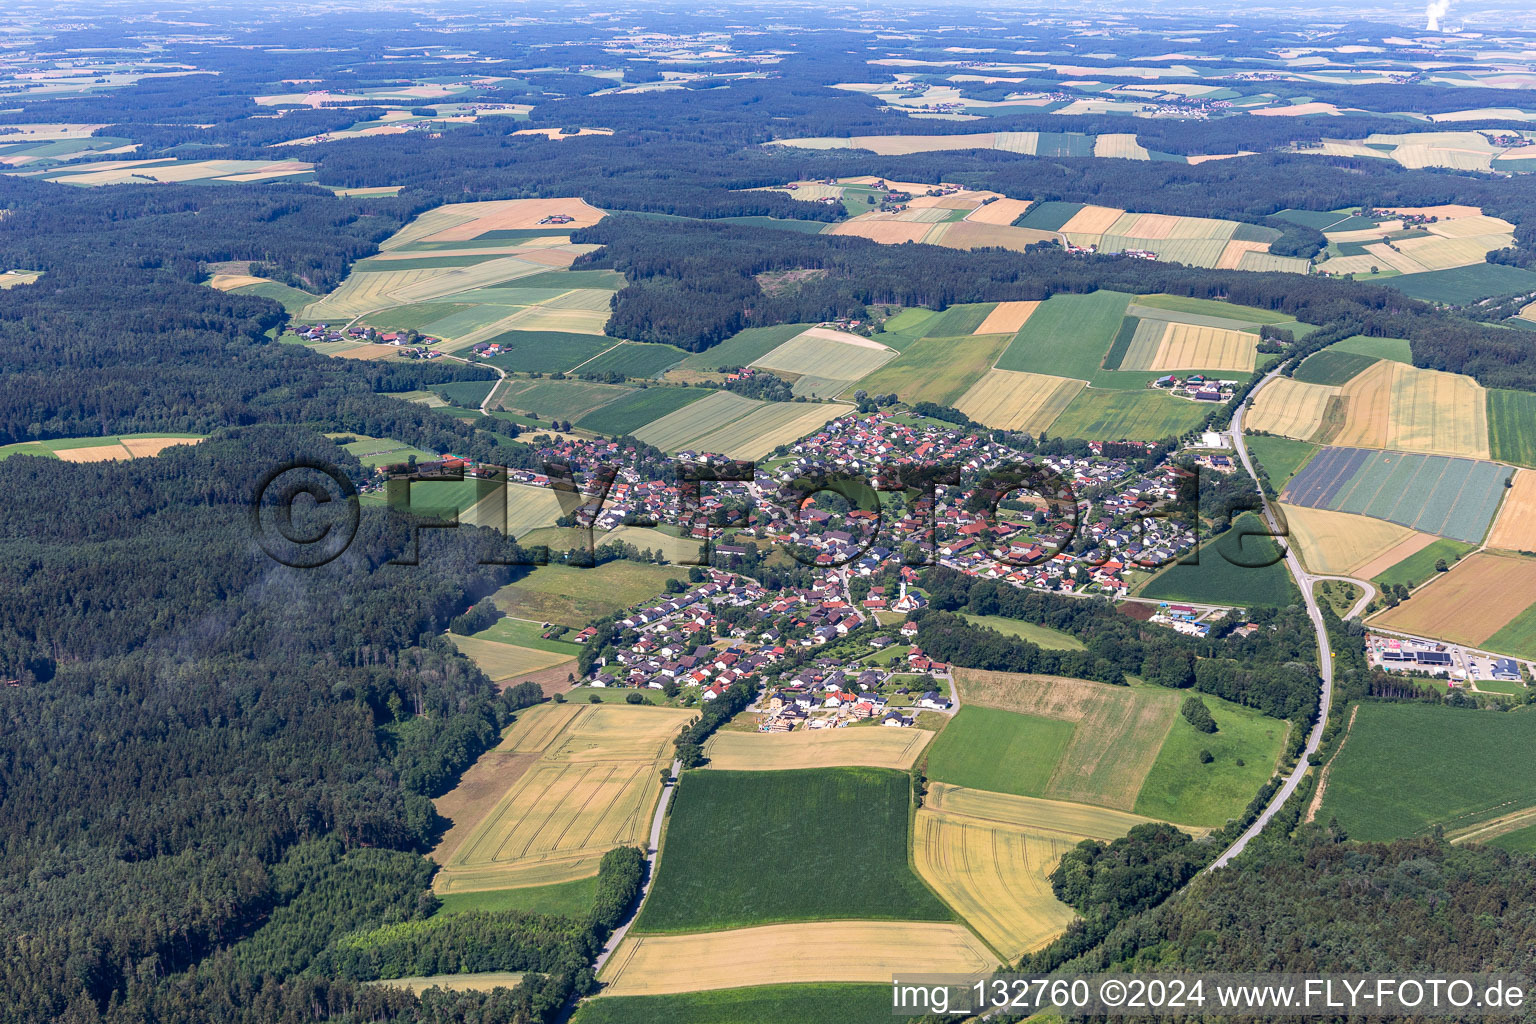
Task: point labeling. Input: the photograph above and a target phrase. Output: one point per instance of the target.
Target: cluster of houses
(1197, 387)
(411, 347)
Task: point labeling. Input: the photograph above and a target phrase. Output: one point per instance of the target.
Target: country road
(653, 860)
(1324, 652)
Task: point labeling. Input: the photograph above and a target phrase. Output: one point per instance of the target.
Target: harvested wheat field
(514, 215)
(1394, 405)
(1338, 543)
(1092, 220)
(1074, 821)
(1001, 212)
(966, 234)
(1290, 408)
(1443, 253)
(835, 355)
(1481, 594)
(229, 282)
(871, 951)
(884, 231)
(1385, 255)
(592, 788)
(122, 448)
(1015, 400)
(1515, 529)
(1119, 730)
(1232, 255)
(484, 981)
(995, 876)
(502, 661)
(816, 748)
(1193, 347)
(1006, 317)
(1393, 555)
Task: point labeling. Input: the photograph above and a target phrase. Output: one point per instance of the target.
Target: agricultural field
(1280, 457)
(728, 831)
(736, 427)
(1000, 751)
(1291, 408)
(1515, 528)
(1340, 544)
(1472, 604)
(1468, 768)
(831, 951)
(996, 876)
(549, 399)
(784, 1004)
(1332, 367)
(741, 349)
(574, 596)
(1512, 426)
(131, 172)
(1245, 748)
(573, 899)
(1242, 567)
(1040, 636)
(504, 662)
(100, 449)
(1462, 285)
(592, 787)
(1006, 318)
(1392, 405)
(1448, 497)
(1127, 416)
(1068, 335)
(937, 369)
(1011, 400)
(816, 748)
(1414, 563)
(1166, 346)
(635, 359)
(530, 351)
(826, 361)
(641, 406)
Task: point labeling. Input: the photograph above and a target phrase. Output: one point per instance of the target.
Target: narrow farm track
(1304, 582)
(653, 861)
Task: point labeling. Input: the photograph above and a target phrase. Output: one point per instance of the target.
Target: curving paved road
(653, 858)
(1304, 581)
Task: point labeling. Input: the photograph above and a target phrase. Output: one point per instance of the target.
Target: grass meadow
(573, 899)
(999, 751)
(1041, 636)
(1406, 768)
(745, 848)
(1281, 457)
(574, 596)
(1220, 579)
(1420, 566)
(1140, 415)
(1245, 748)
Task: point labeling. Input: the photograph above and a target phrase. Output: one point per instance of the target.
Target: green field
(638, 408)
(1041, 636)
(1399, 350)
(1068, 336)
(743, 348)
(1179, 788)
(1408, 767)
(1048, 216)
(465, 393)
(1518, 636)
(1281, 457)
(1141, 415)
(557, 399)
(1461, 285)
(1332, 367)
(567, 279)
(525, 633)
(1318, 219)
(1521, 840)
(383, 451)
(1512, 426)
(780, 1004)
(546, 351)
(935, 369)
(635, 359)
(747, 848)
(1122, 343)
(1420, 566)
(573, 899)
(292, 299)
(490, 239)
(413, 317)
(1000, 751)
(1217, 580)
(573, 596)
(958, 321)
(382, 264)
(1213, 307)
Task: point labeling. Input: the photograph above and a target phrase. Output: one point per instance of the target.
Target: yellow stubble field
(1006, 318)
(1290, 408)
(1479, 596)
(592, 788)
(1339, 543)
(1016, 400)
(831, 951)
(1515, 529)
(1394, 405)
(816, 748)
(1193, 347)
